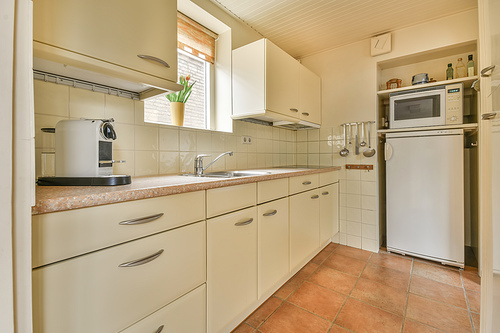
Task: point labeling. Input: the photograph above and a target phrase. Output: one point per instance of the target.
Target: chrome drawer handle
(270, 213)
(306, 183)
(160, 329)
(325, 193)
(142, 219)
(141, 261)
(158, 60)
(294, 110)
(315, 196)
(486, 70)
(239, 224)
(305, 113)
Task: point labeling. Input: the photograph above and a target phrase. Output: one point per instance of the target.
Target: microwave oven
(433, 106)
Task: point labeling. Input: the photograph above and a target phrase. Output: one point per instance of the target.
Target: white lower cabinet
(110, 289)
(328, 213)
(304, 226)
(184, 315)
(231, 267)
(273, 244)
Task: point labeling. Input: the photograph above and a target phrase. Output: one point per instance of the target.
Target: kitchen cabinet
(226, 199)
(231, 267)
(126, 39)
(270, 85)
(304, 226)
(329, 212)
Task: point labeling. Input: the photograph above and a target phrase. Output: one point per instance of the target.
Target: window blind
(196, 39)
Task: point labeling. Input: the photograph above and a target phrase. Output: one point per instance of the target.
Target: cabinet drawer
(303, 183)
(185, 315)
(62, 235)
(327, 178)
(227, 199)
(272, 189)
(92, 293)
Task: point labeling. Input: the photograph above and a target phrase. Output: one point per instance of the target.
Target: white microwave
(433, 106)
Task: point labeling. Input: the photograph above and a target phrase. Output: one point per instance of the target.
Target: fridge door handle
(387, 151)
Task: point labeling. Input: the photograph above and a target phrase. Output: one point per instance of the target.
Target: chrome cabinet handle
(239, 224)
(158, 60)
(270, 213)
(315, 196)
(487, 69)
(325, 193)
(160, 329)
(141, 261)
(294, 110)
(305, 113)
(306, 183)
(142, 219)
(488, 116)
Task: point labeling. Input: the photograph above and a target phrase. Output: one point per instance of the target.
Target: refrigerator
(425, 194)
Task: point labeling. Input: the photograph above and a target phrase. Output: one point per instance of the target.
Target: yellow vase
(177, 113)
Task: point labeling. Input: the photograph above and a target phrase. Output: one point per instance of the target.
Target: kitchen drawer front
(303, 183)
(327, 178)
(187, 314)
(227, 199)
(92, 293)
(272, 189)
(62, 235)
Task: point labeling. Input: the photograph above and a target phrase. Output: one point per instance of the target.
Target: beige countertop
(58, 198)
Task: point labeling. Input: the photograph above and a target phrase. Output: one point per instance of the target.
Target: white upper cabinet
(127, 39)
(310, 96)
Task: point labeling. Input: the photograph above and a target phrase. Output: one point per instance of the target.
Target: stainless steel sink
(230, 174)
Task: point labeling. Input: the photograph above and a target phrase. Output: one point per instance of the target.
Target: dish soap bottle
(449, 72)
(460, 68)
(470, 66)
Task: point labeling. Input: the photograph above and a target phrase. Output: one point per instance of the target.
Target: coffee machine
(84, 154)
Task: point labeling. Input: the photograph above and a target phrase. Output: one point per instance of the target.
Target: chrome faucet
(198, 162)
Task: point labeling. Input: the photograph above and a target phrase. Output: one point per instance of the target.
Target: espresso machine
(84, 154)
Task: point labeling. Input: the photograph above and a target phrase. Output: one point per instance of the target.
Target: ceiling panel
(305, 27)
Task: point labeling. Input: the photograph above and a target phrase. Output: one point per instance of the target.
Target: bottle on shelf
(449, 72)
(460, 69)
(470, 66)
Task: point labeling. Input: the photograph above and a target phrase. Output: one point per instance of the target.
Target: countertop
(59, 198)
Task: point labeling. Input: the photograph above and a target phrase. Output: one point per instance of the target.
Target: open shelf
(467, 81)
(466, 127)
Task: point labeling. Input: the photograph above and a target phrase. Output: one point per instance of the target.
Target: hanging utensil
(344, 152)
(369, 152)
(356, 140)
(363, 141)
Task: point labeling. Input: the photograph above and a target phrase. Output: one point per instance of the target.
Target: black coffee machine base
(85, 181)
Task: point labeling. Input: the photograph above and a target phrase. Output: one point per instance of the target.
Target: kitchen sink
(230, 174)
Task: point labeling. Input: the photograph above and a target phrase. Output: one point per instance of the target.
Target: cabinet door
(304, 226)
(310, 96)
(328, 215)
(114, 31)
(282, 81)
(231, 266)
(273, 243)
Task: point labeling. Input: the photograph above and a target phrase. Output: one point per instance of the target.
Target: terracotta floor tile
(318, 300)
(291, 319)
(288, 288)
(438, 291)
(437, 273)
(387, 276)
(243, 328)
(438, 315)
(331, 247)
(392, 261)
(338, 329)
(474, 301)
(476, 320)
(320, 257)
(414, 327)
(263, 312)
(471, 280)
(345, 264)
(363, 318)
(353, 252)
(333, 279)
(379, 295)
(306, 271)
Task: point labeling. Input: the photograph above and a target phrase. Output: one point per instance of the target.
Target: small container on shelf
(470, 66)
(449, 72)
(460, 69)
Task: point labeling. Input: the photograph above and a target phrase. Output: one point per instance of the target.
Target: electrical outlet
(246, 140)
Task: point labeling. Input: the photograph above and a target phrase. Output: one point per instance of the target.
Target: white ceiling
(304, 27)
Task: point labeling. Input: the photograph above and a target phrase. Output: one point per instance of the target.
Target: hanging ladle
(363, 141)
(344, 152)
(369, 152)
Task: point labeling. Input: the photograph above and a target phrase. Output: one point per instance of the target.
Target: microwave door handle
(387, 151)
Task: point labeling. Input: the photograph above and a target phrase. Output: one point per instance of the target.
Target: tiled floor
(344, 289)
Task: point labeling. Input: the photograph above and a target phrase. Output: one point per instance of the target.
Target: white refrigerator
(425, 194)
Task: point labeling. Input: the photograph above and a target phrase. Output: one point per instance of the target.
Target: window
(195, 57)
